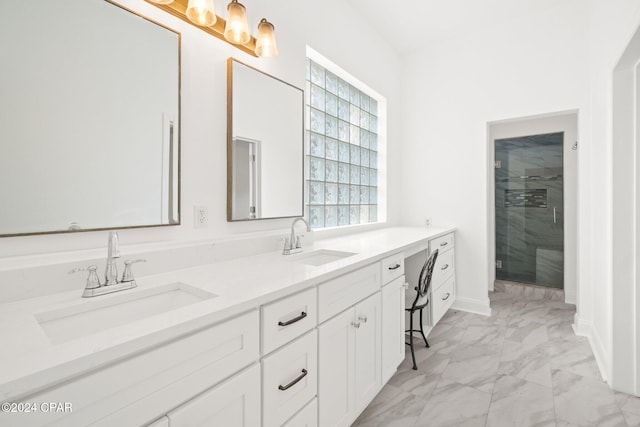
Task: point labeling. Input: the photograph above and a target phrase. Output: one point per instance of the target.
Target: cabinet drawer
(135, 391)
(343, 292)
(287, 319)
(392, 267)
(236, 402)
(308, 417)
(162, 422)
(442, 243)
(443, 269)
(441, 300)
(290, 379)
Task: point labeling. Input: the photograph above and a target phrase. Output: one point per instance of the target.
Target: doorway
(529, 209)
(543, 253)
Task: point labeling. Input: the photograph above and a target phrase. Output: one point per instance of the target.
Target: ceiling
(409, 23)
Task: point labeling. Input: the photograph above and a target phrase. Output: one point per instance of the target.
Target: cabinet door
(162, 422)
(368, 346)
(336, 379)
(234, 403)
(308, 417)
(393, 305)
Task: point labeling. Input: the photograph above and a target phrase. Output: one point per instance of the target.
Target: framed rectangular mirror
(90, 109)
(265, 145)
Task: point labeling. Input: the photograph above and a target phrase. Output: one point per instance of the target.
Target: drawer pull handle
(294, 320)
(443, 244)
(395, 267)
(446, 297)
(363, 319)
(355, 324)
(444, 267)
(294, 382)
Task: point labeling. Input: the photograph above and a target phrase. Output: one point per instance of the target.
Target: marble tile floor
(522, 366)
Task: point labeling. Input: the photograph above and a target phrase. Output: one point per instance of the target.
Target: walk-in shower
(529, 209)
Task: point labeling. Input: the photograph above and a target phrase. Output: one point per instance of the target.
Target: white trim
(468, 305)
(584, 328)
(537, 123)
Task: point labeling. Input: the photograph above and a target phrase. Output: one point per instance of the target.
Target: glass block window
(341, 151)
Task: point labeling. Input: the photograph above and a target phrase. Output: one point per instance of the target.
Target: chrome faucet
(292, 244)
(93, 287)
(113, 252)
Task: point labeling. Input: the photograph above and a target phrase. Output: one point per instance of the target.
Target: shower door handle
(555, 221)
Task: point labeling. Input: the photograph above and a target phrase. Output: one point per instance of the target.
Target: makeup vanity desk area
(282, 343)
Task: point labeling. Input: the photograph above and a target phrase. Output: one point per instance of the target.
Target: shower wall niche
(529, 209)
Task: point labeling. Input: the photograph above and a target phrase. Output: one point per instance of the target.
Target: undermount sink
(72, 322)
(320, 257)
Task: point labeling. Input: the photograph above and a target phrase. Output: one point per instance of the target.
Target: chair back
(424, 281)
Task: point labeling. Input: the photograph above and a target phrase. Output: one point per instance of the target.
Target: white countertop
(29, 362)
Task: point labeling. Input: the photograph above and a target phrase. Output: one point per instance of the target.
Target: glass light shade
(201, 12)
(266, 41)
(162, 1)
(237, 29)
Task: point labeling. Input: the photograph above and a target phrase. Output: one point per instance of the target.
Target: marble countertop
(30, 362)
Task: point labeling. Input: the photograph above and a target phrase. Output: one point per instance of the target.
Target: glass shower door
(529, 209)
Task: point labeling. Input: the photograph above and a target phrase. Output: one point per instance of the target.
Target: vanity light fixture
(201, 12)
(235, 30)
(266, 45)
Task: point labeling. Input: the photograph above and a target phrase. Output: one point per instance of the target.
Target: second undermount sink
(320, 257)
(72, 322)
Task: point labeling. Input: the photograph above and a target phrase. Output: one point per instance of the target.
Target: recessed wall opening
(532, 209)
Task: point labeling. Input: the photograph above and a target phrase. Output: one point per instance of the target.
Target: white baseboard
(585, 328)
(570, 297)
(472, 306)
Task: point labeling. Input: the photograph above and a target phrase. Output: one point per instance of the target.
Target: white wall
(331, 27)
(612, 25)
(451, 90)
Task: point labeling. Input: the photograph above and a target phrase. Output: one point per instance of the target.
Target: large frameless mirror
(89, 112)
(265, 145)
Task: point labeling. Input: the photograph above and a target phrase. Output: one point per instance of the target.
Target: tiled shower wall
(529, 185)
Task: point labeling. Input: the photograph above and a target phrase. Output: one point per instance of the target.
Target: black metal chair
(421, 301)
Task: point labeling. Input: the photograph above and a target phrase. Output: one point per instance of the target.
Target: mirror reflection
(265, 145)
(89, 108)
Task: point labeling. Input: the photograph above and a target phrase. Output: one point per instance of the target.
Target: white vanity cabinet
(290, 359)
(393, 326)
(308, 354)
(443, 280)
(349, 362)
(393, 315)
(234, 403)
(134, 391)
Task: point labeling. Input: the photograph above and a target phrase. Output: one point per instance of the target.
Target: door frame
(566, 122)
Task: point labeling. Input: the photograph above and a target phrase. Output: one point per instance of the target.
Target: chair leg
(422, 330)
(413, 356)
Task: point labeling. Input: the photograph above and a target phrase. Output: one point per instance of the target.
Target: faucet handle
(92, 280)
(127, 275)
